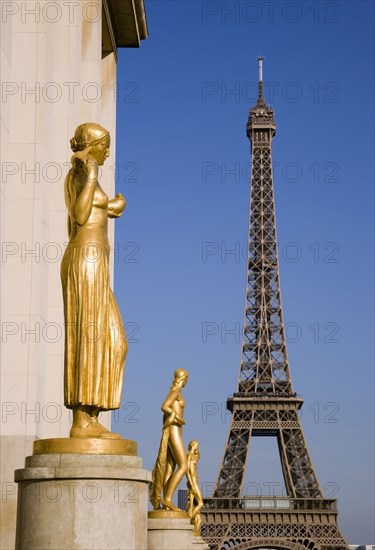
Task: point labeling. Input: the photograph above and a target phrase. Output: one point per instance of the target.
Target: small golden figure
(171, 463)
(195, 499)
(95, 341)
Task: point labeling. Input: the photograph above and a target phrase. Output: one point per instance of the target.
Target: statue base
(84, 501)
(170, 514)
(82, 445)
(199, 543)
(169, 530)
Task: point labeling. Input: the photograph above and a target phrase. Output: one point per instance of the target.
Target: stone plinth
(169, 533)
(199, 544)
(82, 501)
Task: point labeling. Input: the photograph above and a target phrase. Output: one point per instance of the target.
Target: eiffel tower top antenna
(260, 79)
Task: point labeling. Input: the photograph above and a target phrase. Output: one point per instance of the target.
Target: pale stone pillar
(86, 502)
(51, 69)
(53, 79)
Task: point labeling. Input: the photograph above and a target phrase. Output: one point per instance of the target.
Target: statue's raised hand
(91, 168)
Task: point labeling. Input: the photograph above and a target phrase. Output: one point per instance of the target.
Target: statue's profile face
(193, 446)
(100, 151)
(180, 377)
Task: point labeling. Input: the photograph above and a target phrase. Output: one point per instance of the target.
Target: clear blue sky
(180, 134)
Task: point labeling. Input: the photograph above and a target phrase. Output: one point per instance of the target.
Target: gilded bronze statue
(195, 499)
(95, 342)
(171, 463)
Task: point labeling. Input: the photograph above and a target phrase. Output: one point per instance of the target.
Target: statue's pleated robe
(95, 342)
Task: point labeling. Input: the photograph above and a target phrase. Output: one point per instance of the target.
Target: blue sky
(183, 157)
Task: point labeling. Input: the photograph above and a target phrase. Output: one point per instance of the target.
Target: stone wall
(53, 78)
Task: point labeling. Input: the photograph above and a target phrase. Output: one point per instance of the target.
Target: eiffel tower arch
(267, 544)
(265, 403)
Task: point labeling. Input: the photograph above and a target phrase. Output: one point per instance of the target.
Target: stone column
(82, 501)
(52, 70)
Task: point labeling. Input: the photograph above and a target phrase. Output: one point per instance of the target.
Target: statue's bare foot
(168, 505)
(103, 432)
(93, 429)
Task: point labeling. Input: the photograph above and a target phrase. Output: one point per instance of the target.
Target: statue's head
(93, 138)
(193, 445)
(180, 377)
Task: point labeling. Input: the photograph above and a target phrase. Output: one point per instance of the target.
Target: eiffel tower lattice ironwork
(265, 403)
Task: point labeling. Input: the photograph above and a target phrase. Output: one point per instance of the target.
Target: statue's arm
(67, 193)
(116, 206)
(188, 472)
(167, 406)
(81, 209)
(69, 226)
(169, 400)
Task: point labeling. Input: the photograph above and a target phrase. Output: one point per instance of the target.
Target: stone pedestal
(199, 544)
(82, 501)
(169, 533)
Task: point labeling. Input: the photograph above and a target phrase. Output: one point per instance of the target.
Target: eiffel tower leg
(230, 480)
(299, 476)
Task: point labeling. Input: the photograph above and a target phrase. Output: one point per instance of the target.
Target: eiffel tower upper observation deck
(265, 403)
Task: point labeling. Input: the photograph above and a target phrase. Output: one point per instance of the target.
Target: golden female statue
(95, 342)
(171, 463)
(195, 499)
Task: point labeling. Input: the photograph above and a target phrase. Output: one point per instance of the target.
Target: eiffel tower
(265, 403)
